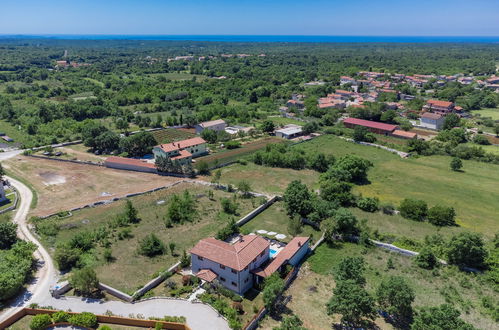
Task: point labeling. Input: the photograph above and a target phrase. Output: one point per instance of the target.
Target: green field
(130, 271)
(474, 192)
(18, 135)
(431, 288)
(275, 219)
(489, 112)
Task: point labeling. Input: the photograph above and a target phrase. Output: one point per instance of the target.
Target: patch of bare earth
(62, 186)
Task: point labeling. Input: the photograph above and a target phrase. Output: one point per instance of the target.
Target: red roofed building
(373, 126)
(130, 164)
(404, 134)
(440, 107)
(239, 265)
(231, 263)
(182, 151)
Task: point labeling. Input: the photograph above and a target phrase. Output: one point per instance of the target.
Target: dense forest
(129, 79)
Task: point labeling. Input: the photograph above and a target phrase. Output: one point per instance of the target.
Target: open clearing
(129, 270)
(446, 284)
(492, 113)
(474, 192)
(62, 186)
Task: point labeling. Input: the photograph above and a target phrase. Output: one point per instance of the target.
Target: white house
(432, 120)
(181, 151)
(239, 265)
(289, 131)
(214, 125)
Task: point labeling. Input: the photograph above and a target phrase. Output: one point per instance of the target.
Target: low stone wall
(13, 206)
(153, 283)
(115, 292)
(80, 162)
(257, 211)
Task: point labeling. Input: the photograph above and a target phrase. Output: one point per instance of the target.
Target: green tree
(137, 145)
(84, 281)
(122, 124)
(291, 322)
(467, 249)
(267, 126)
(295, 225)
(456, 164)
(395, 296)
(131, 212)
(451, 120)
(443, 317)
(172, 246)
(426, 258)
(353, 302)
(496, 130)
(209, 136)
(413, 209)
(297, 199)
(244, 187)
(351, 268)
(362, 134)
(85, 319)
(337, 191)
(8, 235)
(66, 257)
(349, 168)
(388, 116)
(151, 246)
(273, 286)
(442, 216)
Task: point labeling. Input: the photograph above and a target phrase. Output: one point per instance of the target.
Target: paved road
(199, 316)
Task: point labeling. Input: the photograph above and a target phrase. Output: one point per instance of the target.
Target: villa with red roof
(373, 126)
(440, 107)
(181, 151)
(239, 265)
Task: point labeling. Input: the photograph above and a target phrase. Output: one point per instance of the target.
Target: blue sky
(256, 17)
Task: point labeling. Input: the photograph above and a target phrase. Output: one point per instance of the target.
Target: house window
(222, 279)
(233, 271)
(234, 284)
(246, 280)
(222, 266)
(261, 254)
(246, 268)
(200, 258)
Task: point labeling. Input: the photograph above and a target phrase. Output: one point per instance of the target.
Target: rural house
(440, 107)
(289, 131)
(181, 151)
(432, 120)
(214, 125)
(239, 265)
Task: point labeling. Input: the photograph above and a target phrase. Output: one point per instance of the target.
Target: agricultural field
(229, 155)
(75, 152)
(169, 135)
(473, 192)
(275, 219)
(129, 270)
(492, 113)
(62, 186)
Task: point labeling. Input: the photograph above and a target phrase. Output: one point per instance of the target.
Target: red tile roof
(207, 275)
(404, 134)
(212, 123)
(282, 257)
(179, 145)
(438, 103)
(370, 124)
(129, 161)
(236, 256)
(341, 91)
(183, 154)
(430, 115)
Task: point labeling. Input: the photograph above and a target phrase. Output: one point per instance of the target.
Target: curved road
(199, 316)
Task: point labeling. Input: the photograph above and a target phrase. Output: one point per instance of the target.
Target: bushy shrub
(368, 204)
(426, 259)
(229, 206)
(40, 322)
(413, 209)
(151, 246)
(388, 208)
(442, 216)
(60, 316)
(85, 319)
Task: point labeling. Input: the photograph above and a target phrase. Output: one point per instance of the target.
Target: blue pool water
(272, 253)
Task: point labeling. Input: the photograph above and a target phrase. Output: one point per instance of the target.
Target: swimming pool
(272, 253)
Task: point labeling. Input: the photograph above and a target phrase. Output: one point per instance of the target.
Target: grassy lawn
(130, 271)
(12, 131)
(9, 202)
(275, 219)
(281, 121)
(489, 112)
(431, 288)
(270, 180)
